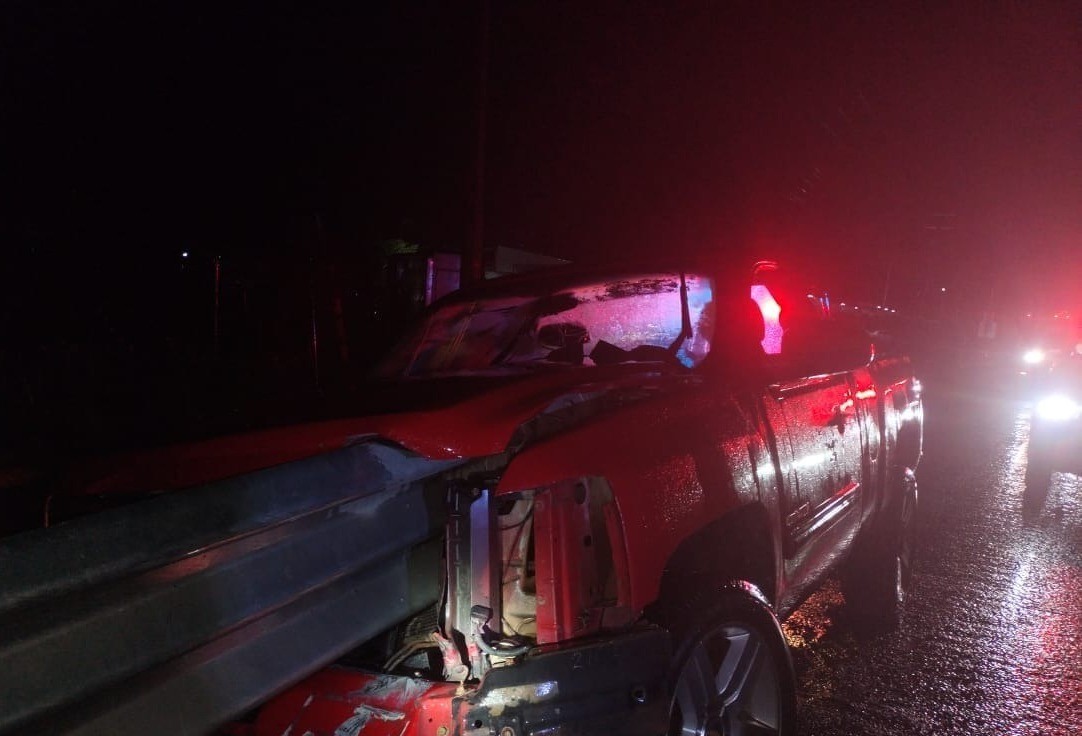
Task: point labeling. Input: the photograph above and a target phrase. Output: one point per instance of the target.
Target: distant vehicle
(1055, 440)
(586, 504)
(1048, 341)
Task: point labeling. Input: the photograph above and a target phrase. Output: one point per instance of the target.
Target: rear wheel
(1038, 480)
(879, 575)
(732, 671)
(1038, 473)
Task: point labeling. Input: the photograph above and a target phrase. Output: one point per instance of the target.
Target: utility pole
(312, 303)
(217, 301)
(886, 281)
(473, 265)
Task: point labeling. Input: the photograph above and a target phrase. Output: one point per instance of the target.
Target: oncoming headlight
(1033, 357)
(1058, 408)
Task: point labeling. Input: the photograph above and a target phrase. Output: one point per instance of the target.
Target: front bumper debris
(608, 686)
(616, 685)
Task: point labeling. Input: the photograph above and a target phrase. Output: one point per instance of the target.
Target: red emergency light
(771, 311)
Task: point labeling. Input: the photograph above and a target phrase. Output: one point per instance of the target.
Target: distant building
(506, 261)
(444, 270)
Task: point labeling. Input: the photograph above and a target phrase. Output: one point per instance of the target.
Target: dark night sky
(939, 141)
(683, 123)
(131, 130)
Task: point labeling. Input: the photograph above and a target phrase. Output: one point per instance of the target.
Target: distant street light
(184, 254)
(943, 289)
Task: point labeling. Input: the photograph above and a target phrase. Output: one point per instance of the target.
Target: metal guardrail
(177, 613)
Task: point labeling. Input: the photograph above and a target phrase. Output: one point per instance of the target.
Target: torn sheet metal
(353, 725)
(350, 702)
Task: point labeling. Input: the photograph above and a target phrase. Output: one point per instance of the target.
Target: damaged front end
(531, 633)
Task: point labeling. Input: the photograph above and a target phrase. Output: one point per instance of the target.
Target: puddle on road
(991, 642)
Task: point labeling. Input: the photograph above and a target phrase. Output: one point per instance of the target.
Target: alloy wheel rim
(729, 686)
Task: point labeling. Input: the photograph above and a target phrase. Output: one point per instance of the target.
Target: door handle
(842, 413)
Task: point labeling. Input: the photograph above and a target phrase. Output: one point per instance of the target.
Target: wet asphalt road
(991, 641)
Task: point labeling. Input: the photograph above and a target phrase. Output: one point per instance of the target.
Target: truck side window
(799, 339)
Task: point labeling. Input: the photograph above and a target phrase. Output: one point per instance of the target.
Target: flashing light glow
(771, 311)
(1058, 408)
(1034, 356)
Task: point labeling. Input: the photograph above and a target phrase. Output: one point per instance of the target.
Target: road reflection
(991, 642)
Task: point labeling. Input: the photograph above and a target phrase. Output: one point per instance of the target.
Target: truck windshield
(626, 319)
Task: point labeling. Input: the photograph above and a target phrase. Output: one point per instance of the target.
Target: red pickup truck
(628, 477)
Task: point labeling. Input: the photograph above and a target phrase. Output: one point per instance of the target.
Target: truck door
(825, 434)
(809, 361)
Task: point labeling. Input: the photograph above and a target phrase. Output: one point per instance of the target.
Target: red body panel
(674, 465)
(475, 426)
(339, 700)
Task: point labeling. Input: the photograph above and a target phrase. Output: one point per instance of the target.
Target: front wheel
(732, 672)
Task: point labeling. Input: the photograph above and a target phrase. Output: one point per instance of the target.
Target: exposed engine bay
(502, 558)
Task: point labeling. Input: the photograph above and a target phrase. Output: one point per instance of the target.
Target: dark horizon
(874, 151)
(609, 128)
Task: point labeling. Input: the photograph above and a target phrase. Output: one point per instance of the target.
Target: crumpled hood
(443, 420)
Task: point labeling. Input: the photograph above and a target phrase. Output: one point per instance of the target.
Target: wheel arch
(735, 549)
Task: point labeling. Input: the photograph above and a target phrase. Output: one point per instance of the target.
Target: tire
(878, 578)
(732, 674)
(1038, 483)
(1038, 474)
